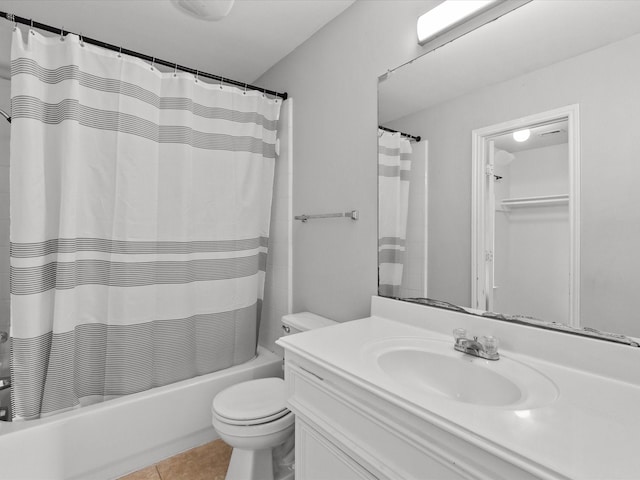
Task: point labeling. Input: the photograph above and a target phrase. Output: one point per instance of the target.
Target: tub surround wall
(278, 284)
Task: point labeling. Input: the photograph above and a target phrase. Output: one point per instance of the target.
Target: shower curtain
(394, 168)
(140, 205)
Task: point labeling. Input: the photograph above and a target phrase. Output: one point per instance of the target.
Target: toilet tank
(303, 321)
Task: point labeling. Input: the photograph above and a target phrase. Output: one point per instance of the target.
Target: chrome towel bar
(353, 215)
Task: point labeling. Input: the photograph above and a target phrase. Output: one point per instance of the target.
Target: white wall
(333, 80)
(540, 171)
(532, 243)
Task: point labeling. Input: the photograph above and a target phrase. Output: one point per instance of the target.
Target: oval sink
(434, 367)
(456, 378)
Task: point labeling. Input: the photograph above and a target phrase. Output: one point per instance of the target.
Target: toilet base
(250, 464)
(265, 464)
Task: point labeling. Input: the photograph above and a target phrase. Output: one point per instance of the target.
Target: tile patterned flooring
(209, 461)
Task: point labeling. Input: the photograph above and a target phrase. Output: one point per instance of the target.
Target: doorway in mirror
(525, 240)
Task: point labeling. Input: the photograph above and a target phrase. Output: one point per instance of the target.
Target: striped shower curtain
(394, 168)
(140, 209)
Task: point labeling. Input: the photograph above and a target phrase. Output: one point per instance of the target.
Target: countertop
(590, 431)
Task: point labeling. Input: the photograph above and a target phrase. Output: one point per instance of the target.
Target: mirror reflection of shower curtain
(140, 210)
(394, 168)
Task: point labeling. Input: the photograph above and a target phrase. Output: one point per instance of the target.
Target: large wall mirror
(521, 196)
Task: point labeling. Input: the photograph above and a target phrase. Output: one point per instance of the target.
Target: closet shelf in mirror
(542, 201)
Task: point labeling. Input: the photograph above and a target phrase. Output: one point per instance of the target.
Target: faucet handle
(490, 344)
(459, 334)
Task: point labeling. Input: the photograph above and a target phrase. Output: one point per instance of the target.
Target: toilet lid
(255, 401)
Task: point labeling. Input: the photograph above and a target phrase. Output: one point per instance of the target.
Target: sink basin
(433, 367)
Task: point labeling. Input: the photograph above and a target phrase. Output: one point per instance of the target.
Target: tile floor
(209, 461)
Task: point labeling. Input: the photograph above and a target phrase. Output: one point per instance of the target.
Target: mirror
(462, 100)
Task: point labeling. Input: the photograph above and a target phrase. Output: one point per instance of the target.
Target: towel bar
(353, 215)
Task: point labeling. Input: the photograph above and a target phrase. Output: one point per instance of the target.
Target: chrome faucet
(485, 347)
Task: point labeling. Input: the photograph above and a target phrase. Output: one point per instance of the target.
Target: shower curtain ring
(245, 89)
(221, 81)
(62, 34)
(153, 60)
(120, 53)
(12, 18)
(197, 73)
(81, 40)
(31, 28)
(175, 71)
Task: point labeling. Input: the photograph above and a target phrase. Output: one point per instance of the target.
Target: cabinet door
(318, 459)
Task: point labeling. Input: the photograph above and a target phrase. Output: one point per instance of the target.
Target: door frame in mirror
(480, 139)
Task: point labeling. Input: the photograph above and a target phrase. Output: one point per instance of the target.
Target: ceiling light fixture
(209, 10)
(522, 135)
(448, 15)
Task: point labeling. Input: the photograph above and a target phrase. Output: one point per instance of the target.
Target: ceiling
(256, 35)
(533, 36)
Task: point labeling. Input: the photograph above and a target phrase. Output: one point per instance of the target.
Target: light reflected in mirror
(540, 58)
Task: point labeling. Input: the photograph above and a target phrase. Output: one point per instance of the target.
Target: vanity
(388, 397)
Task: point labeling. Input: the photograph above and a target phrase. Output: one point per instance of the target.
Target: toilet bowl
(253, 418)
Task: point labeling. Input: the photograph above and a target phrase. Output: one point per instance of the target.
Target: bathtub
(113, 438)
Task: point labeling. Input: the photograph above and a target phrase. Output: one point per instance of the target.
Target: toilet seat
(253, 402)
(247, 432)
(251, 421)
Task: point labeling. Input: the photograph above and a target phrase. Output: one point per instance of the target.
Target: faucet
(486, 347)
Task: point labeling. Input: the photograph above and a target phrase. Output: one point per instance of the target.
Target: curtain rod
(59, 31)
(410, 137)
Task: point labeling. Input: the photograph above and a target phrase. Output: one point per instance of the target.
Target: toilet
(253, 418)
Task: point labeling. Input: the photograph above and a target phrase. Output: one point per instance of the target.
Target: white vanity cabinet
(345, 431)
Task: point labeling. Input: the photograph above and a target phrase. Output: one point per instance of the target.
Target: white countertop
(591, 431)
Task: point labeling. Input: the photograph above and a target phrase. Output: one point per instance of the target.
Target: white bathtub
(120, 436)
